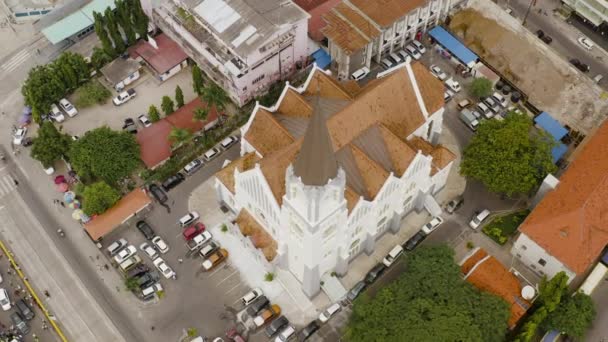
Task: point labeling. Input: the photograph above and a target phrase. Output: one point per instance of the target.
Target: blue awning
(321, 58)
(552, 126)
(448, 41)
(558, 151)
(605, 259)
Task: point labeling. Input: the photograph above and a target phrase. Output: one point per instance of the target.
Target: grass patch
(91, 93)
(502, 227)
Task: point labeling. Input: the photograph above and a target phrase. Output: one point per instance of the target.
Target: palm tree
(201, 115)
(216, 97)
(178, 136)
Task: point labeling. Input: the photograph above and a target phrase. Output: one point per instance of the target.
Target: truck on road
(199, 240)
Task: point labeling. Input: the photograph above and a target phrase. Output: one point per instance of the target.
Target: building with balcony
(359, 31)
(331, 167)
(243, 45)
(594, 11)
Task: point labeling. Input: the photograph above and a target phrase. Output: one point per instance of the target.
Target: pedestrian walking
(16, 182)
(47, 294)
(62, 204)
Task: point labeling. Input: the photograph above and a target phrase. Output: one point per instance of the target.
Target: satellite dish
(528, 292)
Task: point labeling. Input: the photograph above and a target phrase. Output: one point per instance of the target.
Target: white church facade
(332, 166)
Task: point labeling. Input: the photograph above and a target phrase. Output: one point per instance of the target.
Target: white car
(228, 141)
(479, 218)
(162, 266)
(286, 334)
(160, 244)
(419, 46)
(125, 254)
(149, 250)
(5, 301)
(68, 107)
(250, 296)
(144, 120)
(19, 135)
(432, 225)
(329, 312)
(360, 74)
(586, 43)
(386, 63)
(452, 85)
(437, 72)
(411, 50)
(56, 114)
(188, 219)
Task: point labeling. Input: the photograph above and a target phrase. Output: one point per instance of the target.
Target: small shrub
(160, 294)
(91, 93)
(269, 276)
(192, 332)
(224, 228)
(470, 245)
(333, 274)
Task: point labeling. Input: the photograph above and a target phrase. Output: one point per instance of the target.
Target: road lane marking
(226, 278)
(16, 60)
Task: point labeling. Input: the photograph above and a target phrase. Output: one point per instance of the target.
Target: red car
(193, 230)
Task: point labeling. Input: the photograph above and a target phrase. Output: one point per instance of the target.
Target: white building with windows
(359, 31)
(243, 45)
(331, 167)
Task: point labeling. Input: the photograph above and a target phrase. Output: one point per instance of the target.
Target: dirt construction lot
(551, 83)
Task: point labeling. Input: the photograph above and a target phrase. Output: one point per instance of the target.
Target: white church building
(332, 166)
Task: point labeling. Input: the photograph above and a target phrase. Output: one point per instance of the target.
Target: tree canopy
(429, 302)
(105, 154)
(99, 197)
(197, 79)
(507, 156)
(179, 136)
(50, 144)
(215, 96)
(153, 113)
(481, 87)
(179, 97)
(167, 105)
(573, 317)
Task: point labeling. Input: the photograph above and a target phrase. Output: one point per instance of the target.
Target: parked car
(308, 330)
(360, 74)
(250, 296)
(5, 300)
(356, 290)
(267, 315)
(145, 229)
(395, 58)
(160, 244)
(173, 181)
(56, 114)
(125, 254)
(208, 249)
(193, 166)
(193, 230)
(129, 126)
(199, 240)
(24, 309)
(148, 250)
(138, 270)
(212, 153)
(257, 305)
(374, 273)
(492, 104)
(229, 141)
(124, 97)
(432, 225)
(419, 46)
(404, 55)
(448, 95)
(411, 50)
(329, 312)
(502, 101)
(20, 323)
(452, 85)
(286, 334)
(68, 108)
(276, 325)
(162, 266)
(149, 292)
(485, 110)
(414, 241)
(130, 263)
(437, 72)
(544, 37)
(188, 219)
(454, 204)
(158, 193)
(116, 246)
(586, 43)
(464, 104)
(144, 120)
(386, 63)
(215, 259)
(19, 135)
(478, 218)
(392, 256)
(579, 65)
(147, 279)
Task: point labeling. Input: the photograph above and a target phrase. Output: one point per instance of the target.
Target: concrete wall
(530, 253)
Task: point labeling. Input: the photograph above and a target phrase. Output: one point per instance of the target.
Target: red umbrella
(63, 187)
(59, 179)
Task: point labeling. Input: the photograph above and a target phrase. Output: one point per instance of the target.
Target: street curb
(52, 319)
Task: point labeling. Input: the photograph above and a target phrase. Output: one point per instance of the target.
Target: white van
(479, 218)
(360, 74)
(150, 291)
(130, 263)
(212, 153)
(393, 255)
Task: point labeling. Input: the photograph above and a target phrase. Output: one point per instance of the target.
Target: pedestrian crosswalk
(15, 61)
(7, 185)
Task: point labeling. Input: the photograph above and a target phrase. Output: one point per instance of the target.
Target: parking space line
(234, 287)
(227, 277)
(215, 271)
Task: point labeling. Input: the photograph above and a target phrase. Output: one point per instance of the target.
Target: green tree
(179, 97)
(178, 136)
(481, 87)
(573, 316)
(131, 284)
(506, 157)
(197, 80)
(78, 65)
(99, 197)
(50, 144)
(140, 19)
(431, 302)
(91, 93)
(123, 14)
(105, 154)
(153, 113)
(201, 114)
(110, 19)
(216, 97)
(167, 105)
(102, 34)
(99, 58)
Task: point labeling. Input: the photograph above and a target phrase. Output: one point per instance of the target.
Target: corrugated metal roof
(68, 20)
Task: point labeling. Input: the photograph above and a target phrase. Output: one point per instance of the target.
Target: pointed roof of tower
(316, 163)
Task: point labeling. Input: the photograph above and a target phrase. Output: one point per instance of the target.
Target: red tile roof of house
(184, 116)
(168, 54)
(308, 5)
(570, 222)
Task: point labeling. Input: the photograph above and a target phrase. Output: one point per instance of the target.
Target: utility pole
(532, 3)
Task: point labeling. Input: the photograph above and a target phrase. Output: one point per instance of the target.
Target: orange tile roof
(244, 163)
(183, 117)
(274, 167)
(126, 207)
(569, 222)
(343, 34)
(266, 134)
(442, 156)
(428, 85)
(386, 12)
(295, 105)
(488, 274)
(260, 238)
(167, 55)
(327, 87)
(400, 152)
(372, 173)
(352, 198)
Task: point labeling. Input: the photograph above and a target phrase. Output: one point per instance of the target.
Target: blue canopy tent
(322, 59)
(556, 130)
(456, 48)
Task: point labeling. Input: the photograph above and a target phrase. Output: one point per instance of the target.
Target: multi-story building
(243, 45)
(359, 31)
(594, 11)
(331, 167)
